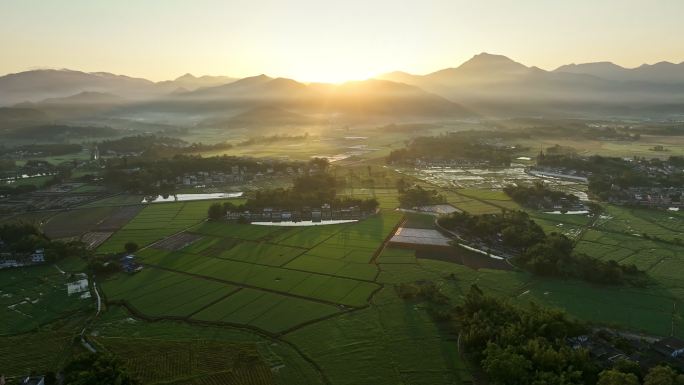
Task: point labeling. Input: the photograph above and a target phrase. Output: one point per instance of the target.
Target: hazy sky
(324, 40)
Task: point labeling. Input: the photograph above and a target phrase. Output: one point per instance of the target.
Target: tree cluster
(157, 176)
(9, 190)
(417, 196)
(540, 253)
(468, 146)
(539, 196)
(22, 238)
(50, 149)
(273, 139)
(308, 191)
(554, 257)
(96, 369)
(517, 345)
(521, 346)
(609, 175)
(511, 229)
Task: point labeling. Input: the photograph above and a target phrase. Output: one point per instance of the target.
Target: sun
(335, 75)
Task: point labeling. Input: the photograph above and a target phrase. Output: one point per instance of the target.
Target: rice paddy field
(37, 352)
(265, 277)
(225, 303)
(157, 221)
(219, 349)
(188, 362)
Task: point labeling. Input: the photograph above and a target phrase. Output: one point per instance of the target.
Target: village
(307, 214)
(13, 259)
(609, 347)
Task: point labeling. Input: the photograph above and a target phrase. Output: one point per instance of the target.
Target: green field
(667, 225)
(35, 296)
(116, 331)
(238, 304)
(189, 362)
(392, 342)
(38, 352)
(157, 221)
(266, 277)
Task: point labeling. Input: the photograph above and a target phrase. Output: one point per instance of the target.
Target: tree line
(416, 196)
(310, 191)
(157, 176)
(468, 146)
(539, 196)
(610, 172)
(24, 238)
(540, 253)
(516, 345)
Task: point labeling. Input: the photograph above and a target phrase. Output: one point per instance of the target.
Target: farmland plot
(253, 275)
(155, 222)
(189, 362)
(73, 223)
(30, 297)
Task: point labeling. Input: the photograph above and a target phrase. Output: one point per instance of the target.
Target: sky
(325, 40)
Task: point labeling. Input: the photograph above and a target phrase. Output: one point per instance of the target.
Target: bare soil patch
(177, 241)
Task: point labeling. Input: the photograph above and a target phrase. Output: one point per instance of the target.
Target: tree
(614, 377)
(627, 366)
(401, 185)
(216, 211)
(131, 247)
(663, 375)
(502, 365)
(94, 369)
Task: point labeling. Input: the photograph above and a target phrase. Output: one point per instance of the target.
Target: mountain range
(37, 85)
(484, 85)
(495, 84)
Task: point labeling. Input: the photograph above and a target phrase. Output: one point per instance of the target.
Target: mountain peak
(252, 80)
(490, 62)
(187, 76)
(595, 68)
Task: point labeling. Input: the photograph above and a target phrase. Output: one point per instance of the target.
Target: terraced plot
(73, 223)
(39, 353)
(255, 276)
(156, 222)
(473, 206)
(667, 225)
(189, 362)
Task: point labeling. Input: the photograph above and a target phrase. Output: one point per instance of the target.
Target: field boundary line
(249, 286)
(301, 271)
(383, 245)
(214, 302)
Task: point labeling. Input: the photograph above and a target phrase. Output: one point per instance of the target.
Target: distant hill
(33, 86)
(260, 87)
(85, 97)
(265, 117)
(496, 85)
(663, 72)
(486, 84)
(372, 97)
(58, 133)
(189, 82)
(11, 118)
(81, 105)
(39, 85)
